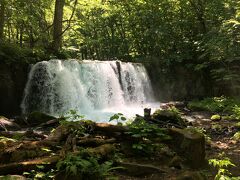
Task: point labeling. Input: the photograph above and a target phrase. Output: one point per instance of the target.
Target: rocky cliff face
(178, 83)
(13, 78)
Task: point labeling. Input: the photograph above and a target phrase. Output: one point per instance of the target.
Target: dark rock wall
(13, 78)
(179, 83)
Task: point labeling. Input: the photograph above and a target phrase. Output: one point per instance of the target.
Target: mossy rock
(216, 117)
(236, 136)
(36, 118)
(169, 116)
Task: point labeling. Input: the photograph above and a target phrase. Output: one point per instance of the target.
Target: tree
(2, 18)
(58, 25)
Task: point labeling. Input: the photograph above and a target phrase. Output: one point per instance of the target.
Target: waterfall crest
(55, 87)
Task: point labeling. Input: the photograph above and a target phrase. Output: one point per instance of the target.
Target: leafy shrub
(146, 136)
(222, 165)
(72, 115)
(218, 105)
(117, 117)
(215, 104)
(83, 167)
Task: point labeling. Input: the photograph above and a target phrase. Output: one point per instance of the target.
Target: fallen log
(109, 129)
(20, 167)
(93, 142)
(29, 134)
(102, 151)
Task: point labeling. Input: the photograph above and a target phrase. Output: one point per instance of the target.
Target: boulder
(170, 117)
(7, 124)
(190, 145)
(37, 118)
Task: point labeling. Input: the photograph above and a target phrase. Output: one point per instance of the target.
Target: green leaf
(123, 118)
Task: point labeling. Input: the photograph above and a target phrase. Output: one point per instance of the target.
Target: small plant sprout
(117, 117)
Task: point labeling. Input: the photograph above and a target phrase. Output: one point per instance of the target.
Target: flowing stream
(95, 89)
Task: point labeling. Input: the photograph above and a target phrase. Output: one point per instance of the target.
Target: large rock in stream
(190, 145)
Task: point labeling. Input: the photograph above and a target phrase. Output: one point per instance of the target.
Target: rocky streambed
(164, 145)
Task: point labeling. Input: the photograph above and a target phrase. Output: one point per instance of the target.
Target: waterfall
(90, 87)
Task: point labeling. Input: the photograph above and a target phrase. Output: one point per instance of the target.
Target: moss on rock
(36, 118)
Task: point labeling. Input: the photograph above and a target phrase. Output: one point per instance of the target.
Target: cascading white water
(96, 89)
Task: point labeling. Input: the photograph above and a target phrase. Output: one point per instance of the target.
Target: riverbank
(139, 150)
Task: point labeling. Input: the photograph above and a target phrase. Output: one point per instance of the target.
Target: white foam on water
(95, 89)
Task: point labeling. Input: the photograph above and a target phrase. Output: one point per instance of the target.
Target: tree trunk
(2, 13)
(57, 25)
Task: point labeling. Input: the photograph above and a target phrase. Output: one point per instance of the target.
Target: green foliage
(218, 105)
(236, 136)
(200, 130)
(117, 117)
(222, 165)
(215, 104)
(236, 112)
(71, 115)
(40, 173)
(209, 104)
(11, 53)
(201, 36)
(175, 110)
(76, 123)
(148, 136)
(83, 167)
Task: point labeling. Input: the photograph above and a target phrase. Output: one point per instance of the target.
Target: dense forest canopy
(187, 81)
(202, 35)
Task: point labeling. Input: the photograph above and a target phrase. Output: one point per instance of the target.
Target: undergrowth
(86, 166)
(221, 104)
(223, 164)
(146, 136)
